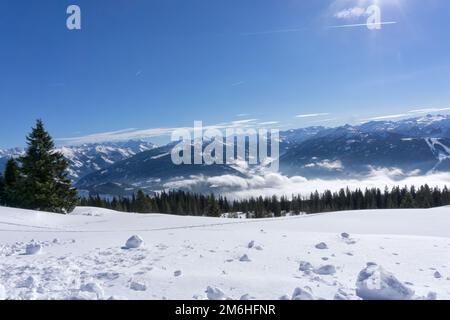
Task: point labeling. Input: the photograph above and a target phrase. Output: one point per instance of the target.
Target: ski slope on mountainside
(390, 254)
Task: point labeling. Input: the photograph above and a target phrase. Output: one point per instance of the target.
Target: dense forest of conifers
(185, 203)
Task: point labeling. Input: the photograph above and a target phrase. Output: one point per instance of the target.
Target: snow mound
(138, 286)
(28, 283)
(244, 258)
(214, 293)
(374, 283)
(321, 246)
(305, 266)
(325, 270)
(33, 248)
(134, 242)
(247, 297)
(301, 294)
(251, 244)
(345, 235)
(93, 287)
(437, 275)
(177, 273)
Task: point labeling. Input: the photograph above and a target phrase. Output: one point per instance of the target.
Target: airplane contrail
(362, 24)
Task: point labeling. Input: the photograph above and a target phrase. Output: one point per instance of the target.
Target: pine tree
(2, 190)
(44, 184)
(11, 180)
(213, 207)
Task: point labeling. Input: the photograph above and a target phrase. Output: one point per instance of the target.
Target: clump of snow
(93, 287)
(374, 283)
(247, 297)
(251, 244)
(138, 286)
(214, 293)
(33, 248)
(134, 242)
(28, 283)
(432, 296)
(321, 246)
(305, 266)
(437, 275)
(325, 270)
(301, 294)
(284, 297)
(345, 235)
(244, 258)
(177, 273)
(259, 248)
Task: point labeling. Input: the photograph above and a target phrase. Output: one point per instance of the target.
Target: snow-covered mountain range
(88, 158)
(417, 146)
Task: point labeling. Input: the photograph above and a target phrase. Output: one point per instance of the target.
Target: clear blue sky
(165, 63)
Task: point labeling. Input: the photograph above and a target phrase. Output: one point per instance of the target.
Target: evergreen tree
(44, 184)
(213, 207)
(2, 190)
(11, 180)
(407, 201)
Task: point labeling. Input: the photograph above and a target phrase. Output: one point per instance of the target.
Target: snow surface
(379, 254)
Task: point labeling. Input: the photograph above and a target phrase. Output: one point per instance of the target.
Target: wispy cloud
(136, 134)
(312, 115)
(362, 25)
(351, 13)
(387, 117)
(429, 110)
(409, 113)
(239, 83)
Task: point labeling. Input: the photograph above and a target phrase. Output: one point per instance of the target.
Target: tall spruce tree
(2, 190)
(44, 184)
(11, 181)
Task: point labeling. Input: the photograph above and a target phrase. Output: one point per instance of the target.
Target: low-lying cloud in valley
(269, 184)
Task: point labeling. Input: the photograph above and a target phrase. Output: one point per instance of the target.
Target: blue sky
(161, 64)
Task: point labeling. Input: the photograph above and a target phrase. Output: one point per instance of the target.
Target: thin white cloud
(268, 123)
(429, 110)
(387, 117)
(239, 83)
(244, 121)
(351, 13)
(362, 25)
(312, 115)
(406, 114)
(136, 134)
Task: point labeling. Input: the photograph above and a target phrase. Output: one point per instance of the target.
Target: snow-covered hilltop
(390, 254)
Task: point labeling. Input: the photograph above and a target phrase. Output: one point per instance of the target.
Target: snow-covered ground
(391, 254)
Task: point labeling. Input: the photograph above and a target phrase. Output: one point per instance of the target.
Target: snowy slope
(83, 256)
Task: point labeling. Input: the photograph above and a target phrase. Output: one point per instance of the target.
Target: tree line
(38, 179)
(186, 203)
